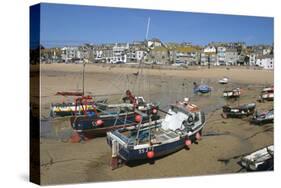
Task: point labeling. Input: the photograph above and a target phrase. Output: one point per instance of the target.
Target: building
(119, 53)
(158, 55)
(136, 52)
(184, 54)
(131, 56)
(204, 58)
(208, 58)
(70, 54)
(212, 58)
(252, 59)
(50, 55)
(221, 56)
(266, 51)
(210, 49)
(140, 54)
(265, 61)
(154, 43)
(231, 56)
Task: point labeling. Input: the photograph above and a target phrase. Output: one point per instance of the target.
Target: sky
(73, 25)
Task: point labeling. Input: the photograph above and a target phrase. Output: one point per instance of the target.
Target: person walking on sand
(195, 87)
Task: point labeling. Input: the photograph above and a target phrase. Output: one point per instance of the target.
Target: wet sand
(64, 162)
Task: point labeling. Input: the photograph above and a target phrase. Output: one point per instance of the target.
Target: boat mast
(83, 78)
(141, 64)
(147, 28)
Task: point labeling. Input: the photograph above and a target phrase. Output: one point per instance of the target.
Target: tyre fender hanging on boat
(190, 119)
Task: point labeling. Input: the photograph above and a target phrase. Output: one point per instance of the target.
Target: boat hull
(238, 112)
(129, 154)
(159, 151)
(86, 125)
(70, 109)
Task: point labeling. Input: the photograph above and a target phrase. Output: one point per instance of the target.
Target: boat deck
(158, 135)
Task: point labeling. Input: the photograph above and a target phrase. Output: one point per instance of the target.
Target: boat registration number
(145, 150)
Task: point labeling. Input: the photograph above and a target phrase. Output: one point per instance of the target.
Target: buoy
(154, 111)
(198, 136)
(138, 118)
(150, 154)
(99, 122)
(188, 142)
(75, 138)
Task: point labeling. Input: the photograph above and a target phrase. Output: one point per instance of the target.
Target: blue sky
(73, 24)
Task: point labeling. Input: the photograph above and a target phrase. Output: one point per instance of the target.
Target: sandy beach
(64, 162)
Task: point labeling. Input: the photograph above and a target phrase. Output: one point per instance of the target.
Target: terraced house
(221, 55)
(188, 55)
(158, 55)
(231, 56)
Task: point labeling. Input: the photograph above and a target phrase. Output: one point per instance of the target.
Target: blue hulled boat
(107, 117)
(203, 88)
(181, 126)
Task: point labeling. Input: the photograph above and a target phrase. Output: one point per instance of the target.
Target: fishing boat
(239, 111)
(234, 93)
(267, 94)
(261, 159)
(106, 117)
(181, 126)
(202, 88)
(224, 80)
(80, 104)
(263, 118)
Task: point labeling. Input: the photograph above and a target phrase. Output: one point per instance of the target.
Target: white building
(69, 53)
(154, 43)
(98, 54)
(266, 51)
(210, 49)
(252, 59)
(266, 61)
(119, 53)
(140, 54)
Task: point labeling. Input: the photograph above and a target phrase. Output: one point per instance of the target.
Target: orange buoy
(198, 136)
(138, 118)
(99, 122)
(150, 154)
(188, 142)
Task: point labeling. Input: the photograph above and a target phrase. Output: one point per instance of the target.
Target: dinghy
(261, 159)
(263, 118)
(239, 111)
(224, 80)
(202, 89)
(267, 94)
(234, 93)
